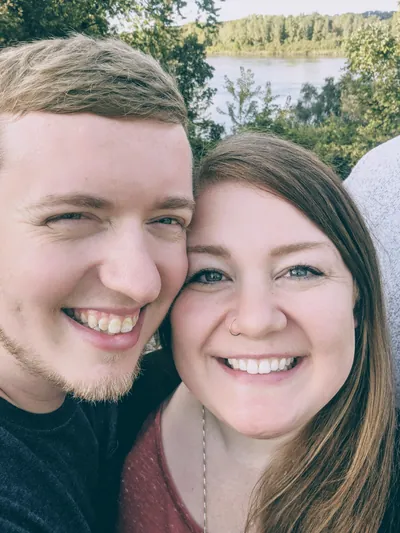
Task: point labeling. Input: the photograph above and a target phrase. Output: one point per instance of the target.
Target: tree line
(313, 34)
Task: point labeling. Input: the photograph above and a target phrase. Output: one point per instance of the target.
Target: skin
(252, 243)
(124, 252)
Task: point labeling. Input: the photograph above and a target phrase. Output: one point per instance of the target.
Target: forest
(313, 34)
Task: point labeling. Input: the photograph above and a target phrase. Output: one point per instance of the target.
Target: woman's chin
(264, 429)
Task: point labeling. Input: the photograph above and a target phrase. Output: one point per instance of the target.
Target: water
(287, 75)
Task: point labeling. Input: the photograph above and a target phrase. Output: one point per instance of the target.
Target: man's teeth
(261, 366)
(107, 323)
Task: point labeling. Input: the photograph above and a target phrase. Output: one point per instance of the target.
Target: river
(287, 75)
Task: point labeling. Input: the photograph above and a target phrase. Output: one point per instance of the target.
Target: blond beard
(111, 388)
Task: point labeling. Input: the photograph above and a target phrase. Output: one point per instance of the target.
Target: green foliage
(154, 29)
(26, 20)
(246, 99)
(304, 34)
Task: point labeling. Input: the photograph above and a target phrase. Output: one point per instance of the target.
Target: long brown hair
(336, 476)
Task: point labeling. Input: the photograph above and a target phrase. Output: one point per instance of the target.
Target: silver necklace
(204, 430)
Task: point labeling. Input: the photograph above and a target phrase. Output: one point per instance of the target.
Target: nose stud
(231, 330)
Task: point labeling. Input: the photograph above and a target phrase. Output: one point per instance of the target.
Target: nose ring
(230, 329)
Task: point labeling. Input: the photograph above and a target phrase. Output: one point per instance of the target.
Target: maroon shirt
(149, 500)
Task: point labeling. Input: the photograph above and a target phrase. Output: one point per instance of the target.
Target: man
(95, 197)
(375, 185)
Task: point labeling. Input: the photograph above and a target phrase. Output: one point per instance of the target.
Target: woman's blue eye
(302, 271)
(169, 221)
(207, 277)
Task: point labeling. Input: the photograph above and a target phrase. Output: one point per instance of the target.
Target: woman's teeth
(261, 366)
(104, 322)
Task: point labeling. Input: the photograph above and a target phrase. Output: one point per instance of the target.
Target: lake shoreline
(281, 55)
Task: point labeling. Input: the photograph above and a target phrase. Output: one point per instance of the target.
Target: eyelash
(65, 216)
(195, 278)
(313, 271)
(175, 222)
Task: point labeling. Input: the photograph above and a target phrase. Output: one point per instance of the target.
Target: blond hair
(80, 74)
(336, 477)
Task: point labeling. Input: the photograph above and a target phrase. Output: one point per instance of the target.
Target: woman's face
(257, 265)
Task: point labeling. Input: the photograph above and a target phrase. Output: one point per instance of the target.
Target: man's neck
(26, 391)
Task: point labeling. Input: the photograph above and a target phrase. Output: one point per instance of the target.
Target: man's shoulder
(50, 467)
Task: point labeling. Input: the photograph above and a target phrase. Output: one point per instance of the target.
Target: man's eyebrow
(176, 202)
(74, 200)
(288, 249)
(210, 249)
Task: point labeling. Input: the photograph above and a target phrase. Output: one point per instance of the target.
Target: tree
(154, 29)
(371, 90)
(315, 107)
(27, 20)
(246, 100)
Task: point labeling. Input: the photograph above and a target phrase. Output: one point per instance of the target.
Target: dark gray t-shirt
(55, 468)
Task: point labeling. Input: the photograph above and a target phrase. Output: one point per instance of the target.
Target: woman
(285, 420)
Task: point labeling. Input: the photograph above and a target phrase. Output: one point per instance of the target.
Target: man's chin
(109, 389)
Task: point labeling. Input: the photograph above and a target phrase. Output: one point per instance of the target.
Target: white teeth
(106, 323)
(92, 321)
(127, 325)
(274, 365)
(114, 326)
(261, 366)
(282, 364)
(252, 366)
(103, 324)
(243, 364)
(264, 367)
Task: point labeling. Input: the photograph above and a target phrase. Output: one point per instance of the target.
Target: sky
(234, 9)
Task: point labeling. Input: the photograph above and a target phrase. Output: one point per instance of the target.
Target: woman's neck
(235, 462)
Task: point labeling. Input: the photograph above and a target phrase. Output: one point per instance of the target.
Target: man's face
(93, 214)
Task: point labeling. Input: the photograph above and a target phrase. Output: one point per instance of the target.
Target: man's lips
(107, 332)
(100, 319)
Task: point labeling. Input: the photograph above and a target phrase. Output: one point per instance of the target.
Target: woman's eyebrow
(292, 248)
(210, 249)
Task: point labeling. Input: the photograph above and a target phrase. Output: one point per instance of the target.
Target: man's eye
(66, 216)
(171, 221)
(302, 272)
(207, 277)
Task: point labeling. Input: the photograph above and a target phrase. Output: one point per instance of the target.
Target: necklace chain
(204, 431)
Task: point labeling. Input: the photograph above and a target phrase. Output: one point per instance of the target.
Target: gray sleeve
(374, 184)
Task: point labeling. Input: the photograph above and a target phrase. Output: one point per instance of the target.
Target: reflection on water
(287, 75)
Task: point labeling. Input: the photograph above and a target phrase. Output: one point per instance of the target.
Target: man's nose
(257, 311)
(129, 267)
